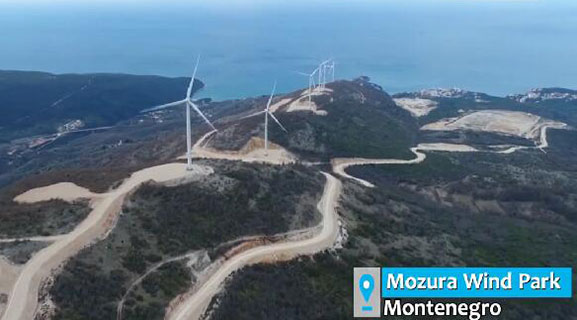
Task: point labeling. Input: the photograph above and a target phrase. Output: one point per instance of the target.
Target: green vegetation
(306, 288)
(96, 99)
(452, 210)
(20, 252)
(47, 217)
(479, 140)
(560, 110)
(40, 219)
(160, 222)
(362, 121)
(147, 301)
(247, 199)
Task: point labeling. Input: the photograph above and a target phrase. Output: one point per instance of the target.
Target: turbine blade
(163, 106)
(191, 84)
(201, 114)
(302, 73)
(276, 120)
(253, 114)
(271, 95)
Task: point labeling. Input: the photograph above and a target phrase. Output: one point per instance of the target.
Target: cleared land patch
(418, 107)
(513, 123)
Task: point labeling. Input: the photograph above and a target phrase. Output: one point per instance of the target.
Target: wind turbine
(268, 113)
(326, 65)
(311, 82)
(320, 68)
(333, 72)
(330, 70)
(188, 103)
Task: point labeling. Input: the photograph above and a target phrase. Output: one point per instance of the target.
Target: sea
(494, 46)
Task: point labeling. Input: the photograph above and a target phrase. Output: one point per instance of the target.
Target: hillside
(358, 119)
(435, 106)
(481, 207)
(203, 217)
(453, 209)
(555, 103)
(34, 103)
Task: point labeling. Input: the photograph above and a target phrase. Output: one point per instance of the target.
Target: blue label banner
(476, 282)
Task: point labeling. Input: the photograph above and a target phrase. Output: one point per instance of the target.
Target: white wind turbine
(311, 82)
(325, 67)
(331, 69)
(188, 103)
(268, 113)
(320, 68)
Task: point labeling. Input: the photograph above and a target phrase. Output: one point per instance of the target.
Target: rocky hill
(453, 209)
(350, 118)
(545, 94)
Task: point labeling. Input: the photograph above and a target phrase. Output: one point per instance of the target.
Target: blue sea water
(493, 46)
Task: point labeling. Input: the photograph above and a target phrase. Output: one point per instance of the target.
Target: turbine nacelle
(327, 66)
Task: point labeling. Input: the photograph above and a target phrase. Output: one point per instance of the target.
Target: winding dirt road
(196, 304)
(23, 299)
(341, 164)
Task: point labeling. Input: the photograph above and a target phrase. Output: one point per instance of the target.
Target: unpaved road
(136, 282)
(196, 305)
(38, 238)
(341, 164)
(23, 299)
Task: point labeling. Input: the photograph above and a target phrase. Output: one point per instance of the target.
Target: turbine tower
(333, 71)
(188, 103)
(312, 83)
(324, 68)
(320, 68)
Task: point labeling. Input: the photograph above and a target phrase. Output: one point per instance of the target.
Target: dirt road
(139, 280)
(23, 299)
(341, 164)
(196, 305)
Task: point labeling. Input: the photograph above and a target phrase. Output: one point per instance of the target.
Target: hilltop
(349, 118)
(465, 179)
(35, 103)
